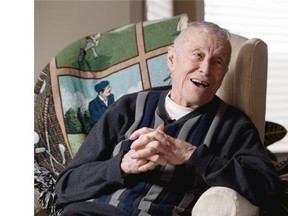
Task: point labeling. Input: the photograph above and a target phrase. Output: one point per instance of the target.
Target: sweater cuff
(114, 169)
(200, 159)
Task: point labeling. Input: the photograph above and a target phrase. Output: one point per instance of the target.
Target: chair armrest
(219, 201)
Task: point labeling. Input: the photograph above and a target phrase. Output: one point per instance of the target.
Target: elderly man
(156, 152)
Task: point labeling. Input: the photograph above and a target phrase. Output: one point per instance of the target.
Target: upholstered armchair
(131, 58)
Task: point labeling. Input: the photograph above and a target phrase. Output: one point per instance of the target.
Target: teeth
(199, 82)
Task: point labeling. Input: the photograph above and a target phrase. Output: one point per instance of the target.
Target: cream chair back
(245, 83)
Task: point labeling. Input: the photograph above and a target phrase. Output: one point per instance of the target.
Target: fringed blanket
(128, 59)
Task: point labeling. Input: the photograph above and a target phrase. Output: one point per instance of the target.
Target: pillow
(128, 59)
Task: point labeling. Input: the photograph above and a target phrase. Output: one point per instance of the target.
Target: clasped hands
(152, 147)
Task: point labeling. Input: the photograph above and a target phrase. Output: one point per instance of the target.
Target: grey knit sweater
(229, 153)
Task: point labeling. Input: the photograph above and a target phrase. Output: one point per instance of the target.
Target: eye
(219, 62)
(197, 56)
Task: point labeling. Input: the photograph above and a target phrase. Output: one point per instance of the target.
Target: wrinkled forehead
(201, 33)
(197, 38)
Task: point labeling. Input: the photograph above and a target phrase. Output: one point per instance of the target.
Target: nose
(205, 67)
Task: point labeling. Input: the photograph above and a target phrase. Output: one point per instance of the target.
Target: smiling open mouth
(200, 83)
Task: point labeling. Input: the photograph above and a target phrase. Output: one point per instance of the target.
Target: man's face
(197, 67)
(106, 92)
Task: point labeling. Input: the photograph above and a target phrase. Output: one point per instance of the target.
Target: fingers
(152, 162)
(160, 128)
(142, 140)
(155, 135)
(157, 159)
(146, 167)
(152, 156)
(149, 149)
(131, 165)
(152, 148)
(136, 134)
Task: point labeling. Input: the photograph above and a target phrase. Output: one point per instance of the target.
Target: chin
(198, 101)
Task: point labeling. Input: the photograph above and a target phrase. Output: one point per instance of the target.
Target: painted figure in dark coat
(103, 100)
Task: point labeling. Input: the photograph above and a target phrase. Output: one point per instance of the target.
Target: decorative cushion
(130, 58)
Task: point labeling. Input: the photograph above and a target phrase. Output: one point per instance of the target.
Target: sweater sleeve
(94, 171)
(241, 164)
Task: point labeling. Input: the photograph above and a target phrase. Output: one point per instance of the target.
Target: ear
(171, 58)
